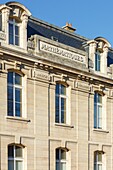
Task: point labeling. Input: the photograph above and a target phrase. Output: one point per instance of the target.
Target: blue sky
(90, 18)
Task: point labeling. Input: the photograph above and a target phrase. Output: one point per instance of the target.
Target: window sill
(64, 125)
(101, 130)
(17, 118)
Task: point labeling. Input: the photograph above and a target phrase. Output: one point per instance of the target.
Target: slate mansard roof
(39, 27)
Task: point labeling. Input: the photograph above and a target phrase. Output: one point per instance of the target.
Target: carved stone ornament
(2, 36)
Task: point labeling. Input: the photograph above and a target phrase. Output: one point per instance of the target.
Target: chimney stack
(69, 27)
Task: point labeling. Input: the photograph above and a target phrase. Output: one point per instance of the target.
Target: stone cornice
(84, 75)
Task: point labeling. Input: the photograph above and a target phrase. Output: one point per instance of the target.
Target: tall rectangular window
(14, 94)
(15, 157)
(97, 110)
(14, 32)
(61, 103)
(98, 160)
(97, 61)
(60, 159)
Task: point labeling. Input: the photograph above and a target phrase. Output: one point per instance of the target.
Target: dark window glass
(57, 109)
(97, 62)
(18, 151)
(57, 154)
(63, 89)
(10, 77)
(11, 34)
(18, 79)
(11, 151)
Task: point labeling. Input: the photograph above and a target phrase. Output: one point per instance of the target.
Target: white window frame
(15, 159)
(14, 86)
(14, 24)
(66, 97)
(61, 161)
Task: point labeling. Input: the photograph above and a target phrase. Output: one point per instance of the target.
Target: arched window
(97, 110)
(14, 32)
(14, 94)
(98, 160)
(61, 159)
(61, 103)
(15, 157)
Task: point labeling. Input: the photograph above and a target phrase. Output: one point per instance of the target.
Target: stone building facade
(56, 88)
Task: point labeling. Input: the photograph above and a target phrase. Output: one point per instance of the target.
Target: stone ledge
(64, 125)
(101, 130)
(18, 119)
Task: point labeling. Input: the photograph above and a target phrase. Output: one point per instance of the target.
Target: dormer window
(14, 32)
(97, 61)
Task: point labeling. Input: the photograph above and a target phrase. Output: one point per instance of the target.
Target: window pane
(95, 167)
(16, 30)
(99, 116)
(11, 34)
(63, 89)
(63, 166)
(57, 166)
(11, 41)
(100, 157)
(11, 28)
(95, 97)
(18, 151)
(97, 62)
(57, 154)
(11, 151)
(57, 88)
(63, 110)
(17, 109)
(57, 110)
(99, 167)
(18, 79)
(16, 40)
(18, 95)
(10, 77)
(10, 165)
(99, 98)
(95, 116)
(63, 154)
(10, 93)
(10, 108)
(18, 165)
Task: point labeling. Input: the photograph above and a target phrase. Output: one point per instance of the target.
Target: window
(97, 110)
(60, 159)
(14, 94)
(13, 32)
(61, 103)
(98, 160)
(15, 157)
(97, 61)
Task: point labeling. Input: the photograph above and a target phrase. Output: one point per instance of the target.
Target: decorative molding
(41, 75)
(2, 36)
